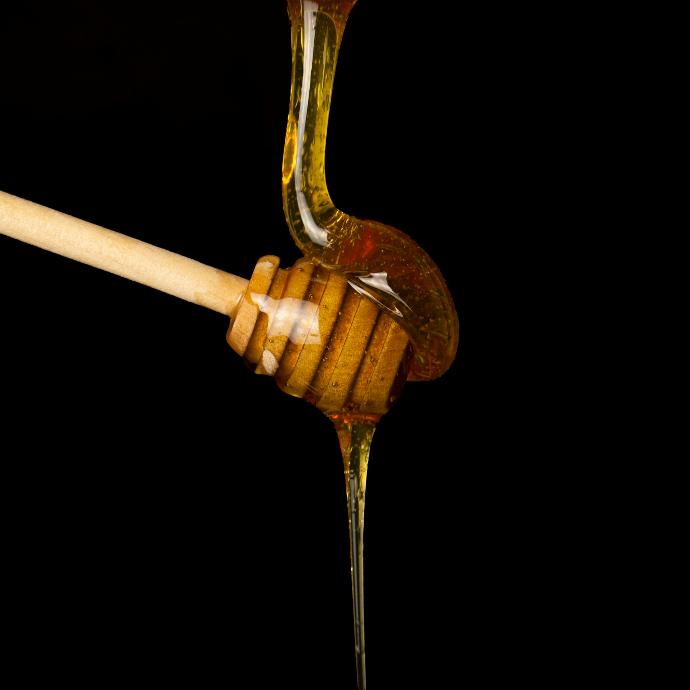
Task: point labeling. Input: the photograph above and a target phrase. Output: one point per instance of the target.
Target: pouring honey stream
(381, 265)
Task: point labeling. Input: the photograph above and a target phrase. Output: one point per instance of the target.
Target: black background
(172, 516)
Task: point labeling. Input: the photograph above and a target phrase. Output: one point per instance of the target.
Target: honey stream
(378, 261)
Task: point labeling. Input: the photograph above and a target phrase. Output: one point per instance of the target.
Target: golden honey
(366, 308)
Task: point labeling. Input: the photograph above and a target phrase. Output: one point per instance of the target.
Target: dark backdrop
(170, 514)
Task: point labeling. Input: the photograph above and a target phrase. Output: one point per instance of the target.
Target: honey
(366, 308)
(380, 264)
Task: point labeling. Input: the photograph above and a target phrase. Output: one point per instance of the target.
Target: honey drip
(362, 356)
(355, 437)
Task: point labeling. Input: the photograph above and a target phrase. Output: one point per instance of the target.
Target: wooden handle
(124, 256)
(320, 339)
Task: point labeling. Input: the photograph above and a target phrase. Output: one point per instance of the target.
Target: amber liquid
(379, 261)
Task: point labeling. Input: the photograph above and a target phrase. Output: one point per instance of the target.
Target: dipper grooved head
(319, 339)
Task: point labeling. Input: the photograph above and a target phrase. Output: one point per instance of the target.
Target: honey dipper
(305, 326)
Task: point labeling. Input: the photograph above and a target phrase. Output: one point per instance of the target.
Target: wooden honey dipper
(305, 326)
(320, 339)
